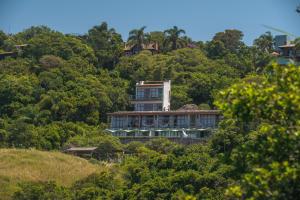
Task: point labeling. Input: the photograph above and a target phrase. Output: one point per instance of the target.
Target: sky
(201, 19)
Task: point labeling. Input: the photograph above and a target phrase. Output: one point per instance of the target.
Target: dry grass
(18, 165)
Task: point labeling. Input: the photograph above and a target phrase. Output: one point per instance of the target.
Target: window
(207, 120)
(140, 93)
(148, 107)
(118, 122)
(133, 121)
(139, 107)
(163, 121)
(192, 120)
(157, 107)
(148, 121)
(182, 121)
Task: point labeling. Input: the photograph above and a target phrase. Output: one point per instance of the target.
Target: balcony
(285, 61)
(145, 98)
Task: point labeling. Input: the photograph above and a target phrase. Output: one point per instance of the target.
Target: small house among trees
(130, 50)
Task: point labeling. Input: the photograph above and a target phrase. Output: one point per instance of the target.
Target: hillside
(32, 165)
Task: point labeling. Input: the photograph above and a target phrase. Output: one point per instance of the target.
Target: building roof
(81, 149)
(8, 53)
(287, 46)
(275, 54)
(150, 83)
(175, 112)
(21, 45)
(151, 46)
(188, 107)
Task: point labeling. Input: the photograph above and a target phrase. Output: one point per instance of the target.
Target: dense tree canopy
(265, 113)
(57, 92)
(107, 45)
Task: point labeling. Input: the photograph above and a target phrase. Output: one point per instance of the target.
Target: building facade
(152, 116)
(152, 96)
(287, 51)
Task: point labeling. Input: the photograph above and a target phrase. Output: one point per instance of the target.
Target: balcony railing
(145, 98)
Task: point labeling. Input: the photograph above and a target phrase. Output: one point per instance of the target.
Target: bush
(50, 61)
(42, 191)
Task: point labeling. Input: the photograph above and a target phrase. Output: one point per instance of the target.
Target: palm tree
(265, 42)
(173, 37)
(137, 37)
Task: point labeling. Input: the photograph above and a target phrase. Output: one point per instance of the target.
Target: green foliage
(43, 41)
(106, 43)
(157, 37)
(58, 92)
(265, 42)
(99, 186)
(42, 191)
(195, 77)
(266, 117)
(50, 61)
(231, 39)
(137, 37)
(3, 37)
(173, 38)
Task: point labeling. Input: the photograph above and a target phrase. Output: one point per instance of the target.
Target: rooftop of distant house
(150, 46)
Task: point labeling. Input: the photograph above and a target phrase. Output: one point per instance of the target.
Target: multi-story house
(287, 51)
(152, 116)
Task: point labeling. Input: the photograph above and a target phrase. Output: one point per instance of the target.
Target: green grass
(19, 165)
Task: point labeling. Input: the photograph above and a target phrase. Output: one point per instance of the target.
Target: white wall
(166, 93)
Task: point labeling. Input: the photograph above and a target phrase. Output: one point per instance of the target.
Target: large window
(118, 122)
(148, 121)
(133, 121)
(207, 120)
(140, 107)
(140, 93)
(156, 93)
(148, 107)
(163, 121)
(148, 93)
(192, 120)
(181, 121)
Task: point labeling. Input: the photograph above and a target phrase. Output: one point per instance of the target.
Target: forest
(59, 88)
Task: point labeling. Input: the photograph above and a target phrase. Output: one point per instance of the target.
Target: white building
(152, 96)
(152, 116)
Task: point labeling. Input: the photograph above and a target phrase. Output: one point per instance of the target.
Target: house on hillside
(286, 51)
(153, 117)
(13, 54)
(130, 50)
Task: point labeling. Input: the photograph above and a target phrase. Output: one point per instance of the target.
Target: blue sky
(200, 18)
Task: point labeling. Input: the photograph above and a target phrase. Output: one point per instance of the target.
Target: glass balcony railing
(145, 98)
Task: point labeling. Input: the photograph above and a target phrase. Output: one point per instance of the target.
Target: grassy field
(18, 165)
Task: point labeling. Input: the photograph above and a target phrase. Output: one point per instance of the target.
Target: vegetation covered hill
(59, 89)
(25, 165)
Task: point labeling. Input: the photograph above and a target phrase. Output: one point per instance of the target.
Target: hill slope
(18, 165)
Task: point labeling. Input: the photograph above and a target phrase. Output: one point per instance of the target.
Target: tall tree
(264, 42)
(297, 44)
(107, 44)
(157, 37)
(3, 37)
(231, 39)
(137, 37)
(173, 37)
